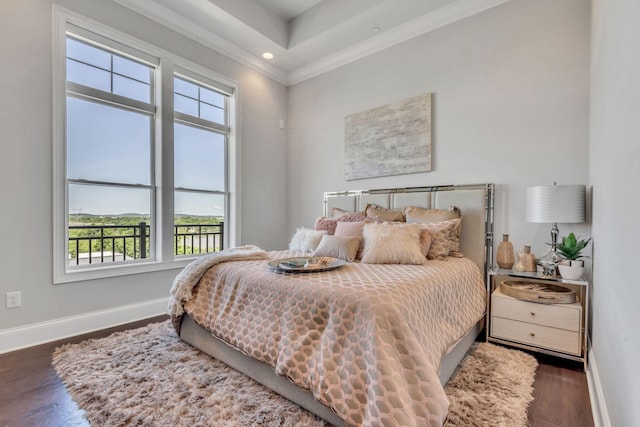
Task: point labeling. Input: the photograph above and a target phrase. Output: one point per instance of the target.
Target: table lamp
(555, 204)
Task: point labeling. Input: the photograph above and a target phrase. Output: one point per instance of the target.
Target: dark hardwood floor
(31, 394)
(561, 395)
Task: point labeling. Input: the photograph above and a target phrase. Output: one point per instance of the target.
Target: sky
(111, 144)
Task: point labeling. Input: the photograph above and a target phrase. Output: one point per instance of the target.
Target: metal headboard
(476, 201)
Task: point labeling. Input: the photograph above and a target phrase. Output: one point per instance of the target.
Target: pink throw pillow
(328, 224)
(349, 229)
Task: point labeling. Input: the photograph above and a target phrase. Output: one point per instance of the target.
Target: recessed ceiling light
(267, 55)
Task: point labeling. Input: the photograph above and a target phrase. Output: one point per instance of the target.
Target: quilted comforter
(366, 339)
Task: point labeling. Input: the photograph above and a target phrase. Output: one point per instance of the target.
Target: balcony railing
(198, 238)
(96, 244)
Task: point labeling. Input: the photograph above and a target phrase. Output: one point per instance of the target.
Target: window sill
(104, 272)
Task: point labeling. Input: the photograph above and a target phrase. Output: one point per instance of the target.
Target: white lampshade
(556, 204)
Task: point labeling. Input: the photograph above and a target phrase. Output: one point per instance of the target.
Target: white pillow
(342, 247)
(306, 240)
(392, 244)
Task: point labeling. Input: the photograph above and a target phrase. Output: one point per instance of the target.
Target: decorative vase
(519, 267)
(529, 260)
(504, 255)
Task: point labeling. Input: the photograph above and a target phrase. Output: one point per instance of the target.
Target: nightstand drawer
(536, 335)
(562, 316)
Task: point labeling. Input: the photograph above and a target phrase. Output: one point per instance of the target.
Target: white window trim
(164, 259)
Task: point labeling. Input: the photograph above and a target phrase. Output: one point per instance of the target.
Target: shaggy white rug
(149, 377)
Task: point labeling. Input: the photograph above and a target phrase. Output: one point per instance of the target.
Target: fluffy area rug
(149, 377)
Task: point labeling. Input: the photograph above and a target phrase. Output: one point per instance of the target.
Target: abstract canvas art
(394, 139)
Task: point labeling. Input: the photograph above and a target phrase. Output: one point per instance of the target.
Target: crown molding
(426, 23)
(441, 17)
(195, 32)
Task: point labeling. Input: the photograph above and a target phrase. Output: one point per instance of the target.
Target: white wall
(510, 106)
(615, 176)
(26, 161)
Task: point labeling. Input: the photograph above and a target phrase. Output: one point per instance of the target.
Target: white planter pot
(573, 271)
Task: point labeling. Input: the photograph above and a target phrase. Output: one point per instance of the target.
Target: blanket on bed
(182, 288)
(365, 339)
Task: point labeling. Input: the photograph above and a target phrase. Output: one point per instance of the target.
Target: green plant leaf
(571, 247)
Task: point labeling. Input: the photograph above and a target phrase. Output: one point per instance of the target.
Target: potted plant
(572, 265)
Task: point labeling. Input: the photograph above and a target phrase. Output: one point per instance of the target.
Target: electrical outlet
(14, 299)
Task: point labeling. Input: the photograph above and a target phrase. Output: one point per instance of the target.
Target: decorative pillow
(306, 240)
(425, 242)
(352, 229)
(440, 237)
(342, 247)
(327, 224)
(383, 214)
(349, 229)
(392, 244)
(416, 214)
(351, 217)
(337, 213)
(425, 237)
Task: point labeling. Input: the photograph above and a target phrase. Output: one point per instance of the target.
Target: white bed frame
(476, 242)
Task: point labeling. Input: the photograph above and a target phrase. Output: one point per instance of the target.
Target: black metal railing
(198, 238)
(94, 244)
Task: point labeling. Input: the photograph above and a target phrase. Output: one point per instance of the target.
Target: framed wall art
(394, 139)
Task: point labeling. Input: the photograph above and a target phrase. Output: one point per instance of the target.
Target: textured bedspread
(365, 339)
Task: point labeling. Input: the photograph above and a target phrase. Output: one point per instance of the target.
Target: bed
(365, 344)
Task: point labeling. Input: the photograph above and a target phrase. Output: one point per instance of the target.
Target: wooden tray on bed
(545, 293)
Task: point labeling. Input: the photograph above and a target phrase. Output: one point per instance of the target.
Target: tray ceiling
(306, 37)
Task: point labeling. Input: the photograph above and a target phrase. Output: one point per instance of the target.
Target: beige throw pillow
(383, 214)
(392, 244)
(425, 242)
(351, 229)
(339, 213)
(342, 247)
(416, 214)
(440, 237)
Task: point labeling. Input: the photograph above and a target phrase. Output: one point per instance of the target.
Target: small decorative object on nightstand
(529, 260)
(556, 329)
(571, 265)
(504, 254)
(519, 267)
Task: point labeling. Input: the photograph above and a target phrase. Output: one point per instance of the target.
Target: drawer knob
(532, 334)
(533, 313)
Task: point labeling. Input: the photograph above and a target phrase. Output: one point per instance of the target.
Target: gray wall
(26, 161)
(511, 95)
(614, 175)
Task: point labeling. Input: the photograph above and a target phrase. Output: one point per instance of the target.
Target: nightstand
(556, 329)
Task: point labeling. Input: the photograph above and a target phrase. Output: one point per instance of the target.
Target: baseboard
(596, 395)
(53, 330)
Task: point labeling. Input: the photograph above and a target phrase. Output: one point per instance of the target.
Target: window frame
(162, 188)
(208, 126)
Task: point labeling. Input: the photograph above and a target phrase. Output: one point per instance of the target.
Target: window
(125, 160)
(200, 138)
(109, 150)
